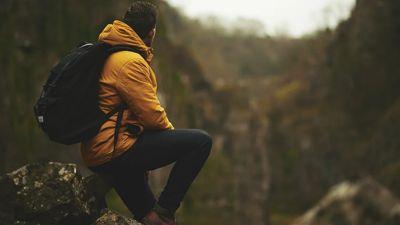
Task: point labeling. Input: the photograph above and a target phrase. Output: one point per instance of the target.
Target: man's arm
(136, 90)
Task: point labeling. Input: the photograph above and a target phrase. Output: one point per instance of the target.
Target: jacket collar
(120, 33)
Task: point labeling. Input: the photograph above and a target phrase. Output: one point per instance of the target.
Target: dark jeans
(189, 148)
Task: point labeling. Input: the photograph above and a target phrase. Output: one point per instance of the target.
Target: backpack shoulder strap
(116, 130)
(120, 108)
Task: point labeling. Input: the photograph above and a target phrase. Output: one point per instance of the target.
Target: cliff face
(363, 60)
(333, 116)
(363, 85)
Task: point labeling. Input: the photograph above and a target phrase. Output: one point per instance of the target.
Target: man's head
(142, 17)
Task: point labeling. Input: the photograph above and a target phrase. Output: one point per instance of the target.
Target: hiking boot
(152, 218)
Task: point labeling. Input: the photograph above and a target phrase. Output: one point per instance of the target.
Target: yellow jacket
(126, 77)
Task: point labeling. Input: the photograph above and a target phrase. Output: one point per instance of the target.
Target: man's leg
(135, 192)
(184, 172)
(131, 185)
(189, 148)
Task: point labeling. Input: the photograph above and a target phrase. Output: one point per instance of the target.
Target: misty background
(298, 96)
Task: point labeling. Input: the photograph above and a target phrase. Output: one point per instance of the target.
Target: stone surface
(365, 202)
(50, 193)
(111, 218)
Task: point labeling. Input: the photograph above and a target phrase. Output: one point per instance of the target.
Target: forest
(290, 117)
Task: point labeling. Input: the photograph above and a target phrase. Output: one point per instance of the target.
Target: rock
(365, 202)
(50, 193)
(111, 218)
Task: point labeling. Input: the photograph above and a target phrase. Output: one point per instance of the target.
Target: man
(127, 77)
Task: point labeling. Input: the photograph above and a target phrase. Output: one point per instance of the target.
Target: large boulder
(365, 202)
(53, 193)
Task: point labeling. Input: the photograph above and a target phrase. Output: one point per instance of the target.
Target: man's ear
(152, 33)
(148, 40)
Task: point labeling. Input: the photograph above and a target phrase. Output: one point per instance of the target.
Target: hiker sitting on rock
(146, 139)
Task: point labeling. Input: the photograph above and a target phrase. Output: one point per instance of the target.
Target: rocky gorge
(57, 194)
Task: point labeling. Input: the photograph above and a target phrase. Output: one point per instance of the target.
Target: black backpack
(67, 109)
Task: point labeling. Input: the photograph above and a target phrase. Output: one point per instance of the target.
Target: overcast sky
(294, 17)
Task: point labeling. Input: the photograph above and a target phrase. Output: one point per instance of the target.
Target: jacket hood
(120, 33)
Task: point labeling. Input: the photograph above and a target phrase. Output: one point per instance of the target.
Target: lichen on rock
(50, 193)
(111, 218)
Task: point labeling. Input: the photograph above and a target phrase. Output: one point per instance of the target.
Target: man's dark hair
(141, 17)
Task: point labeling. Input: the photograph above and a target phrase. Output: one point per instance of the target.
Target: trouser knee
(205, 140)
